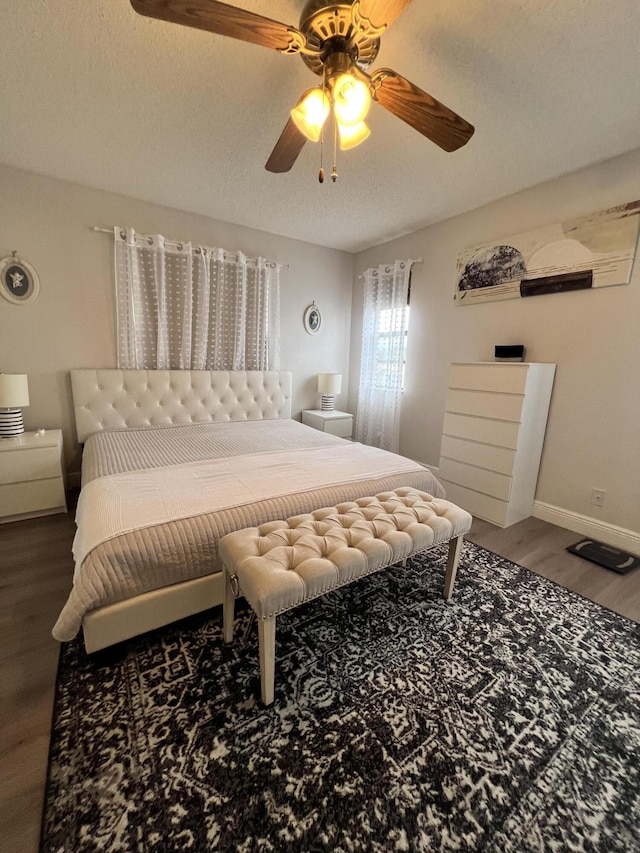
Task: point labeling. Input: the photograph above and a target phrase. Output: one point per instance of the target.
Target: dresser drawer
(502, 407)
(483, 506)
(499, 433)
(32, 496)
(498, 459)
(505, 378)
(36, 463)
(342, 427)
(333, 422)
(478, 479)
(493, 435)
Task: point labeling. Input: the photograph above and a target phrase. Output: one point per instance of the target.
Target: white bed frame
(117, 399)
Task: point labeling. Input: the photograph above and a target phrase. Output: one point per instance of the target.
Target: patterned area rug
(506, 720)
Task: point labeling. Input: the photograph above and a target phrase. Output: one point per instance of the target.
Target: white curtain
(181, 306)
(384, 334)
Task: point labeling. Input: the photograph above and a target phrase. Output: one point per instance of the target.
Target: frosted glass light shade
(352, 135)
(14, 390)
(329, 383)
(351, 99)
(310, 113)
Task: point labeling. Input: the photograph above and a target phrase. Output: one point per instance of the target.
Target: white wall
(593, 432)
(71, 323)
(594, 424)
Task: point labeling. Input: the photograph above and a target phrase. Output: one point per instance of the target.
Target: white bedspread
(117, 504)
(192, 484)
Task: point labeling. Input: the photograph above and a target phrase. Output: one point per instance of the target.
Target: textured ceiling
(94, 93)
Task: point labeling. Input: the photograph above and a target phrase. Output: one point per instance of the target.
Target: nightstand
(31, 476)
(336, 423)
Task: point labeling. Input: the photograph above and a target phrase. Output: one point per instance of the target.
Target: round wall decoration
(312, 319)
(18, 280)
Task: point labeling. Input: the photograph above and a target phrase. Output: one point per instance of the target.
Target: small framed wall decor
(18, 280)
(312, 319)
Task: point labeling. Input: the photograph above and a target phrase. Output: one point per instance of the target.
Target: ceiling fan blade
(375, 16)
(225, 20)
(418, 109)
(287, 148)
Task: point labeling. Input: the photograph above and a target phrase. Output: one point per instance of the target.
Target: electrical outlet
(598, 497)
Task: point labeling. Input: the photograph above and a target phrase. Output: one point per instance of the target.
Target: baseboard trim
(619, 537)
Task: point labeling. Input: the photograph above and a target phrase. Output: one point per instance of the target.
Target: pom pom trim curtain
(181, 306)
(384, 334)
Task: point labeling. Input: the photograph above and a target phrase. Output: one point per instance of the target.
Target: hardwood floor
(540, 546)
(34, 581)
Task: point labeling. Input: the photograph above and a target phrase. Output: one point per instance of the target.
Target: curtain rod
(411, 261)
(101, 230)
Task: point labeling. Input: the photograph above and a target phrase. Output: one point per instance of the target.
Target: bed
(174, 460)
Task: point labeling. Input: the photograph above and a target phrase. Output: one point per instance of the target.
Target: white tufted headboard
(116, 399)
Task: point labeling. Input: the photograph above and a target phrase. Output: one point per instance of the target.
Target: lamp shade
(310, 113)
(352, 135)
(14, 390)
(329, 383)
(351, 99)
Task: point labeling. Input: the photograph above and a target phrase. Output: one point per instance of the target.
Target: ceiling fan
(338, 42)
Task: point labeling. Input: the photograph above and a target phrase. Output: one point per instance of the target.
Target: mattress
(178, 549)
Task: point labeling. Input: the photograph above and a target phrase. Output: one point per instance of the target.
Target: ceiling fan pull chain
(324, 86)
(334, 173)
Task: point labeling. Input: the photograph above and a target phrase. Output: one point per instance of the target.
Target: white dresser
(31, 475)
(494, 425)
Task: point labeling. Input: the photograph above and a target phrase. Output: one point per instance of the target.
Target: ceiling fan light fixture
(310, 113)
(352, 135)
(351, 100)
(338, 41)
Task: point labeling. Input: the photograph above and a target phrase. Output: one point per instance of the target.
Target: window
(384, 348)
(391, 347)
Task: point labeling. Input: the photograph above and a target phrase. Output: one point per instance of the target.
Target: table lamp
(329, 384)
(14, 393)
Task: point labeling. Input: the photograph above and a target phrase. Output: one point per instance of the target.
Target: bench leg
(228, 608)
(455, 547)
(267, 641)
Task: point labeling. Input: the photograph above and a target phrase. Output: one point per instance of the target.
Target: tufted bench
(282, 564)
